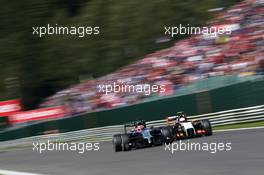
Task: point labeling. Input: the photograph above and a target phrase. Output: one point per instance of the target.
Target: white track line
(7, 172)
(239, 129)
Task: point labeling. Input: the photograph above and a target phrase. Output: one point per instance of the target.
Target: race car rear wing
(171, 120)
(175, 117)
(133, 124)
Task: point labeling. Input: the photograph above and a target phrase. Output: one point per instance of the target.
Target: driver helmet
(182, 119)
(139, 128)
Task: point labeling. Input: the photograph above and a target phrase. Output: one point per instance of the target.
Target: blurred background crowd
(192, 59)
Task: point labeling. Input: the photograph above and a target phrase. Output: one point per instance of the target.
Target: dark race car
(140, 136)
(179, 127)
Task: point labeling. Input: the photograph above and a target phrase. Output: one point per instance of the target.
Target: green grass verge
(243, 125)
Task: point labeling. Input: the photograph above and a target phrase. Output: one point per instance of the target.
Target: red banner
(38, 114)
(9, 107)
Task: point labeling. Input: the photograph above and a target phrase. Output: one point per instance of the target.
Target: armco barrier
(235, 116)
(204, 100)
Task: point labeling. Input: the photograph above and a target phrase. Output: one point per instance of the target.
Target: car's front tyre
(206, 125)
(167, 134)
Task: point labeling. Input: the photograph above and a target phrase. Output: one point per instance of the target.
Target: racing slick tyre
(125, 142)
(167, 134)
(207, 127)
(117, 142)
(157, 138)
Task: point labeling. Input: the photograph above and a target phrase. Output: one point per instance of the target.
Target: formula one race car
(139, 136)
(179, 127)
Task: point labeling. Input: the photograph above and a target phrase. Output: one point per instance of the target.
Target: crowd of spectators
(195, 58)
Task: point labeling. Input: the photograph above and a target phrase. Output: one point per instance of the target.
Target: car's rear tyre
(206, 125)
(157, 138)
(125, 142)
(167, 134)
(117, 142)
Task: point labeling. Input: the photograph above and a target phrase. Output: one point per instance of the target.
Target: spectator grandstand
(240, 53)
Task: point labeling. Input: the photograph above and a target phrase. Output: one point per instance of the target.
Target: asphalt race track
(245, 158)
